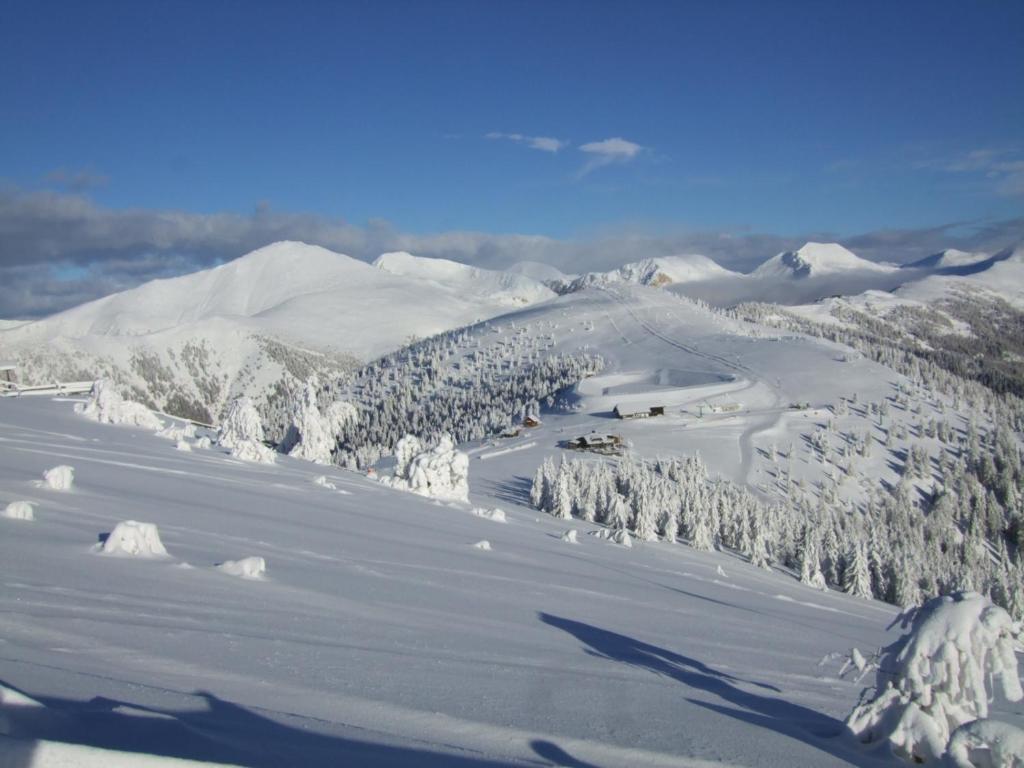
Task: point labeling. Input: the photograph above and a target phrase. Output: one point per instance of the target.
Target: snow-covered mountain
(285, 310)
(657, 272)
(542, 273)
(949, 259)
(816, 260)
(502, 288)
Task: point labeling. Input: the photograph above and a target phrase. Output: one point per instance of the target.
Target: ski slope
(380, 635)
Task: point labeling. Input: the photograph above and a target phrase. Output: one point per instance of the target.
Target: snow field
(382, 626)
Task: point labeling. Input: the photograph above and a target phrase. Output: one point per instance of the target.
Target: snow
(242, 433)
(19, 510)
(658, 272)
(816, 260)
(569, 537)
(483, 545)
(106, 406)
(936, 677)
(134, 539)
(384, 638)
(323, 482)
(183, 445)
(246, 568)
(502, 288)
(495, 515)
(987, 743)
(59, 478)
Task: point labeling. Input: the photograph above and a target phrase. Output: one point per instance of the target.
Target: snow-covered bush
(323, 482)
(106, 406)
(440, 473)
(59, 478)
(242, 433)
(933, 679)
(485, 545)
(986, 744)
(246, 568)
(570, 536)
(178, 432)
(495, 514)
(183, 445)
(19, 510)
(135, 539)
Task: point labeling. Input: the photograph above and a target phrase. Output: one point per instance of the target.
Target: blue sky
(775, 117)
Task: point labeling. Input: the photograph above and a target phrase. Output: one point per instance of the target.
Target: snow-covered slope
(503, 288)
(536, 270)
(949, 259)
(380, 635)
(817, 260)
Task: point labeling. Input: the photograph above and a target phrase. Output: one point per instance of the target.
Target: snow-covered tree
(935, 677)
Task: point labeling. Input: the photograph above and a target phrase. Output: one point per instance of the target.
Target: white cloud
(1003, 167)
(608, 151)
(543, 143)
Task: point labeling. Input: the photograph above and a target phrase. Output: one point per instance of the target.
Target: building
(639, 411)
(596, 442)
(531, 421)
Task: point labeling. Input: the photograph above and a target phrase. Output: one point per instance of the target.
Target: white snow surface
(383, 639)
(815, 260)
(134, 539)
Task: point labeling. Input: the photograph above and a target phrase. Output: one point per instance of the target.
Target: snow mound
(106, 406)
(135, 539)
(570, 536)
(816, 259)
(495, 514)
(323, 482)
(246, 568)
(242, 433)
(933, 679)
(619, 536)
(19, 510)
(183, 445)
(439, 473)
(178, 432)
(484, 544)
(59, 478)
(203, 442)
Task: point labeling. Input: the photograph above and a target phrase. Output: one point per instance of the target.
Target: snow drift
(246, 568)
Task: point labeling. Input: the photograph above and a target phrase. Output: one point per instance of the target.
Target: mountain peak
(815, 259)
